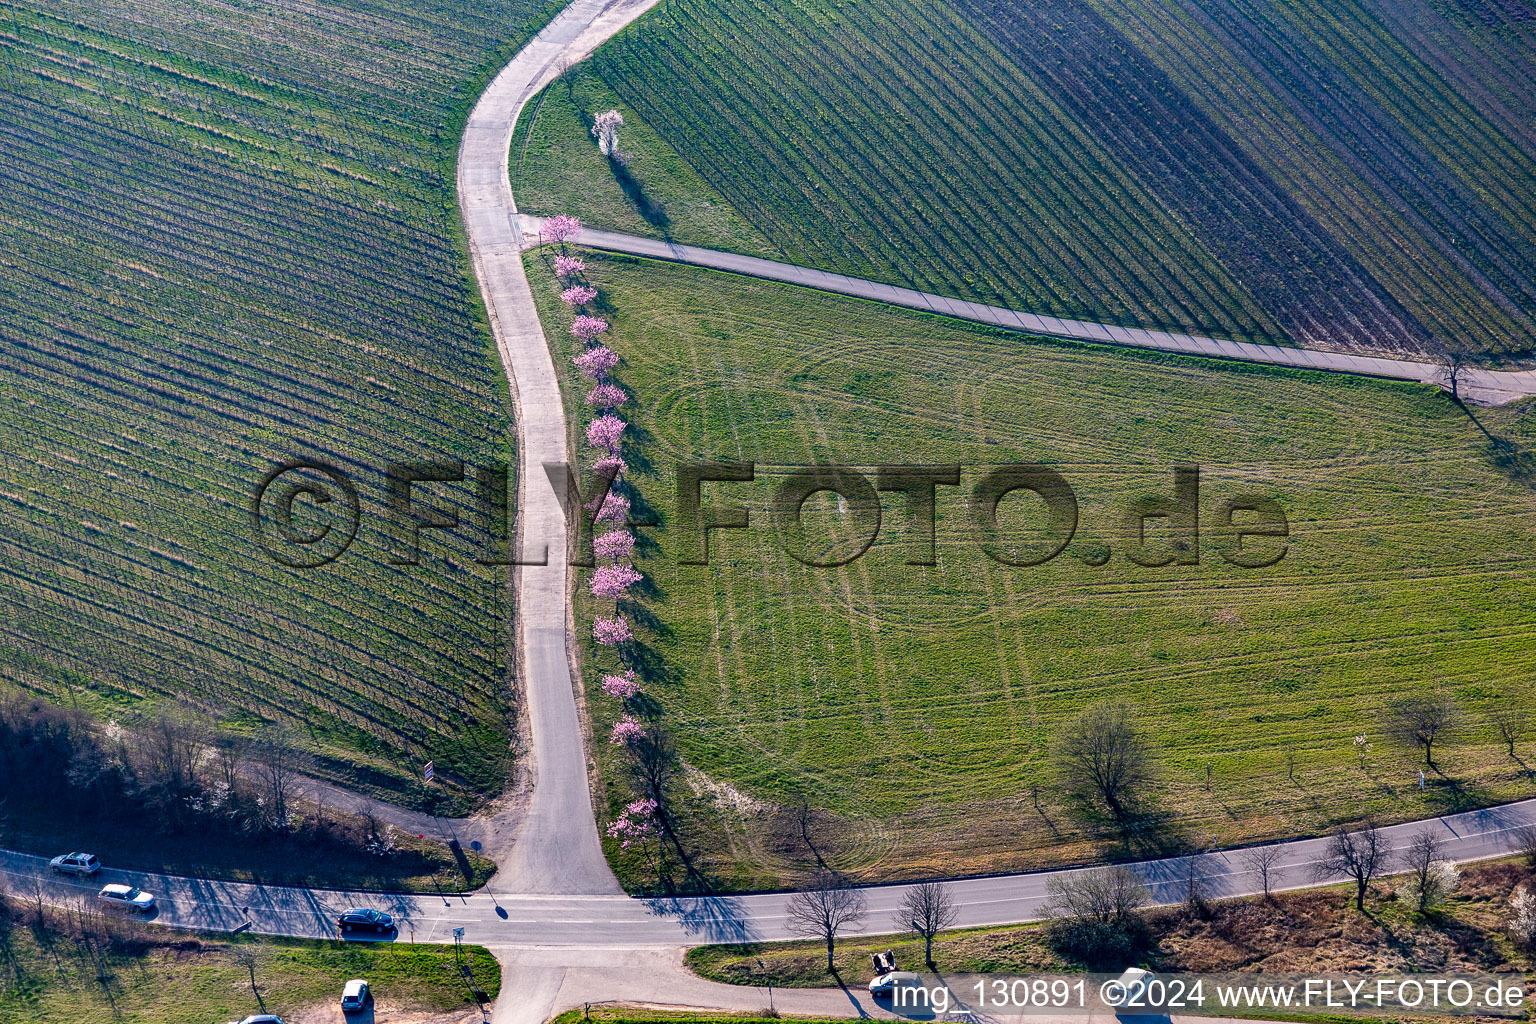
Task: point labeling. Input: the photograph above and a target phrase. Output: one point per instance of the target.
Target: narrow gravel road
(1491, 387)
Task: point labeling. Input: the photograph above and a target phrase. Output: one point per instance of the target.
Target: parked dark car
(360, 920)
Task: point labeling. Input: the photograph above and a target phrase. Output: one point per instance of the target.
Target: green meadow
(912, 708)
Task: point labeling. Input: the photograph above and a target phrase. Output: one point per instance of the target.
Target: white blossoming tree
(605, 129)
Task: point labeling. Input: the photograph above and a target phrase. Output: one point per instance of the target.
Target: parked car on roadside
(127, 896)
(260, 1018)
(355, 996)
(82, 864)
(1130, 989)
(360, 920)
(887, 984)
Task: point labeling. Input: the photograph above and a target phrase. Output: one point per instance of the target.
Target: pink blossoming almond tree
(597, 363)
(614, 546)
(578, 295)
(626, 730)
(607, 396)
(569, 266)
(614, 581)
(561, 229)
(635, 824)
(611, 632)
(624, 687)
(588, 328)
(615, 510)
(610, 466)
(607, 433)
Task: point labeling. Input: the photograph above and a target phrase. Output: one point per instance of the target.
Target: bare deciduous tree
(1105, 895)
(1431, 877)
(1359, 856)
(1511, 724)
(1264, 861)
(1422, 721)
(1525, 844)
(1104, 762)
(927, 908)
(1197, 882)
(1452, 366)
(278, 765)
(830, 906)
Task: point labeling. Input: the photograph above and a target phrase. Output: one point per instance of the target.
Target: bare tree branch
(927, 908)
(830, 906)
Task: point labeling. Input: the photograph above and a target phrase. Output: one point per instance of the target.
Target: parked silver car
(82, 864)
(127, 896)
(355, 997)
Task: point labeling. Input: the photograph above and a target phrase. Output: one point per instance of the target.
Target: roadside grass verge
(232, 240)
(555, 166)
(1353, 176)
(897, 720)
(325, 848)
(1312, 931)
(88, 969)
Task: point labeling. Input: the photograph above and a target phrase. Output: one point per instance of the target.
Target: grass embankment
(1138, 162)
(231, 241)
(914, 708)
(75, 970)
(325, 848)
(1316, 931)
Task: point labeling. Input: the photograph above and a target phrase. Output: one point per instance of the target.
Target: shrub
(1522, 917)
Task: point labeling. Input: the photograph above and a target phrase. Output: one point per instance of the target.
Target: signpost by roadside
(769, 979)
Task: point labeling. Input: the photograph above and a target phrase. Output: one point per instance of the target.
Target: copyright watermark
(1143, 993)
(305, 513)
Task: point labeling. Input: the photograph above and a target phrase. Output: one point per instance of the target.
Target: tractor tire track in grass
(925, 696)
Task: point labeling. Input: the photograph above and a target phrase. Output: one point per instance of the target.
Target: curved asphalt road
(557, 848)
(564, 949)
(1492, 387)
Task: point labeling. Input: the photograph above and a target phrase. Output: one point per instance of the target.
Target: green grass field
(58, 977)
(229, 239)
(1351, 174)
(913, 707)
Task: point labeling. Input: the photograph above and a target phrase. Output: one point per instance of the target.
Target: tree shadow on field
(1454, 795)
(1144, 833)
(647, 663)
(641, 615)
(652, 212)
(1504, 455)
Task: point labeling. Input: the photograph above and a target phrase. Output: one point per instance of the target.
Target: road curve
(556, 848)
(1492, 387)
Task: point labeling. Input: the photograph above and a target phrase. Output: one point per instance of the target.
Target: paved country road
(1492, 387)
(612, 936)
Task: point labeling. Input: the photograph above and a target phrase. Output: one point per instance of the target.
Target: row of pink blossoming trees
(646, 824)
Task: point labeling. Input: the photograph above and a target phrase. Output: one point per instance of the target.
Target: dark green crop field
(228, 237)
(1344, 174)
(914, 707)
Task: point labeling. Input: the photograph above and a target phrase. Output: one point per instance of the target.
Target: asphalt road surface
(1492, 387)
